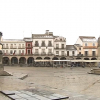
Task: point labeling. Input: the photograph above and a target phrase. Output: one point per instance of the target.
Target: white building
(13, 46)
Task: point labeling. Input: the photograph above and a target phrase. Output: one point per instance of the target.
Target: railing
(49, 54)
(28, 46)
(49, 45)
(59, 48)
(13, 47)
(5, 47)
(44, 53)
(20, 47)
(36, 45)
(43, 45)
(90, 47)
(36, 54)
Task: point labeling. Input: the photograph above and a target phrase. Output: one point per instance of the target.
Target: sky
(67, 18)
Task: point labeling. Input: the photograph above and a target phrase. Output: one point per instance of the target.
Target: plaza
(64, 81)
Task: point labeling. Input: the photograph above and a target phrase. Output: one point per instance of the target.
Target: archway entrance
(93, 64)
(86, 63)
(22, 60)
(38, 64)
(14, 60)
(62, 62)
(38, 58)
(55, 62)
(47, 63)
(5, 60)
(30, 60)
(78, 63)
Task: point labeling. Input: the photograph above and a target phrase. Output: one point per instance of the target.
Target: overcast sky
(67, 18)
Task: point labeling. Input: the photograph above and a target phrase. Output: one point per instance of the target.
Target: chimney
(47, 31)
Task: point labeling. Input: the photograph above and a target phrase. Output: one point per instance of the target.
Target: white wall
(17, 44)
(79, 41)
(40, 47)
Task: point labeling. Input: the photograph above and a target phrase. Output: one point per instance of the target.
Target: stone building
(87, 47)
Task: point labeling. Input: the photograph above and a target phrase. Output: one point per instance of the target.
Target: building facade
(87, 47)
(47, 47)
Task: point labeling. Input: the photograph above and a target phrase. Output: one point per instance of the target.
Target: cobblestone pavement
(75, 83)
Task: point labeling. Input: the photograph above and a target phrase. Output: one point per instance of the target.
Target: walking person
(71, 65)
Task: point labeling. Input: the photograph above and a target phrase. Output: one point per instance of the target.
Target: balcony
(13, 47)
(28, 46)
(43, 53)
(60, 48)
(49, 45)
(63, 54)
(90, 47)
(36, 45)
(50, 54)
(43, 45)
(5, 47)
(36, 54)
(21, 47)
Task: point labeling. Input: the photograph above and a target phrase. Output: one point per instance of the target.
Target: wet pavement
(75, 83)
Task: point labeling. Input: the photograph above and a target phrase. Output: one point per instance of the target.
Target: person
(83, 65)
(71, 65)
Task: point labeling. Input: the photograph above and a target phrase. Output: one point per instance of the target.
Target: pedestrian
(71, 65)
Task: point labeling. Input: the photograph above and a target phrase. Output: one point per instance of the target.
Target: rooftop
(70, 47)
(88, 38)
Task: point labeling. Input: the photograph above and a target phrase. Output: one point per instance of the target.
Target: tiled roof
(70, 47)
(78, 45)
(12, 39)
(87, 38)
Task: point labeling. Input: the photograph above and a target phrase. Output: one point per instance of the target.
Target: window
(3, 51)
(79, 48)
(6, 51)
(29, 51)
(19, 51)
(62, 46)
(79, 52)
(73, 53)
(36, 50)
(93, 44)
(67, 53)
(85, 44)
(36, 43)
(57, 45)
(14, 51)
(49, 43)
(93, 53)
(23, 51)
(57, 52)
(22, 45)
(11, 52)
(11, 45)
(29, 45)
(43, 43)
(43, 50)
(86, 53)
(62, 53)
(50, 50)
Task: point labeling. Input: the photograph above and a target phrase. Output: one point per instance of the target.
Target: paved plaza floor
(75, 82)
